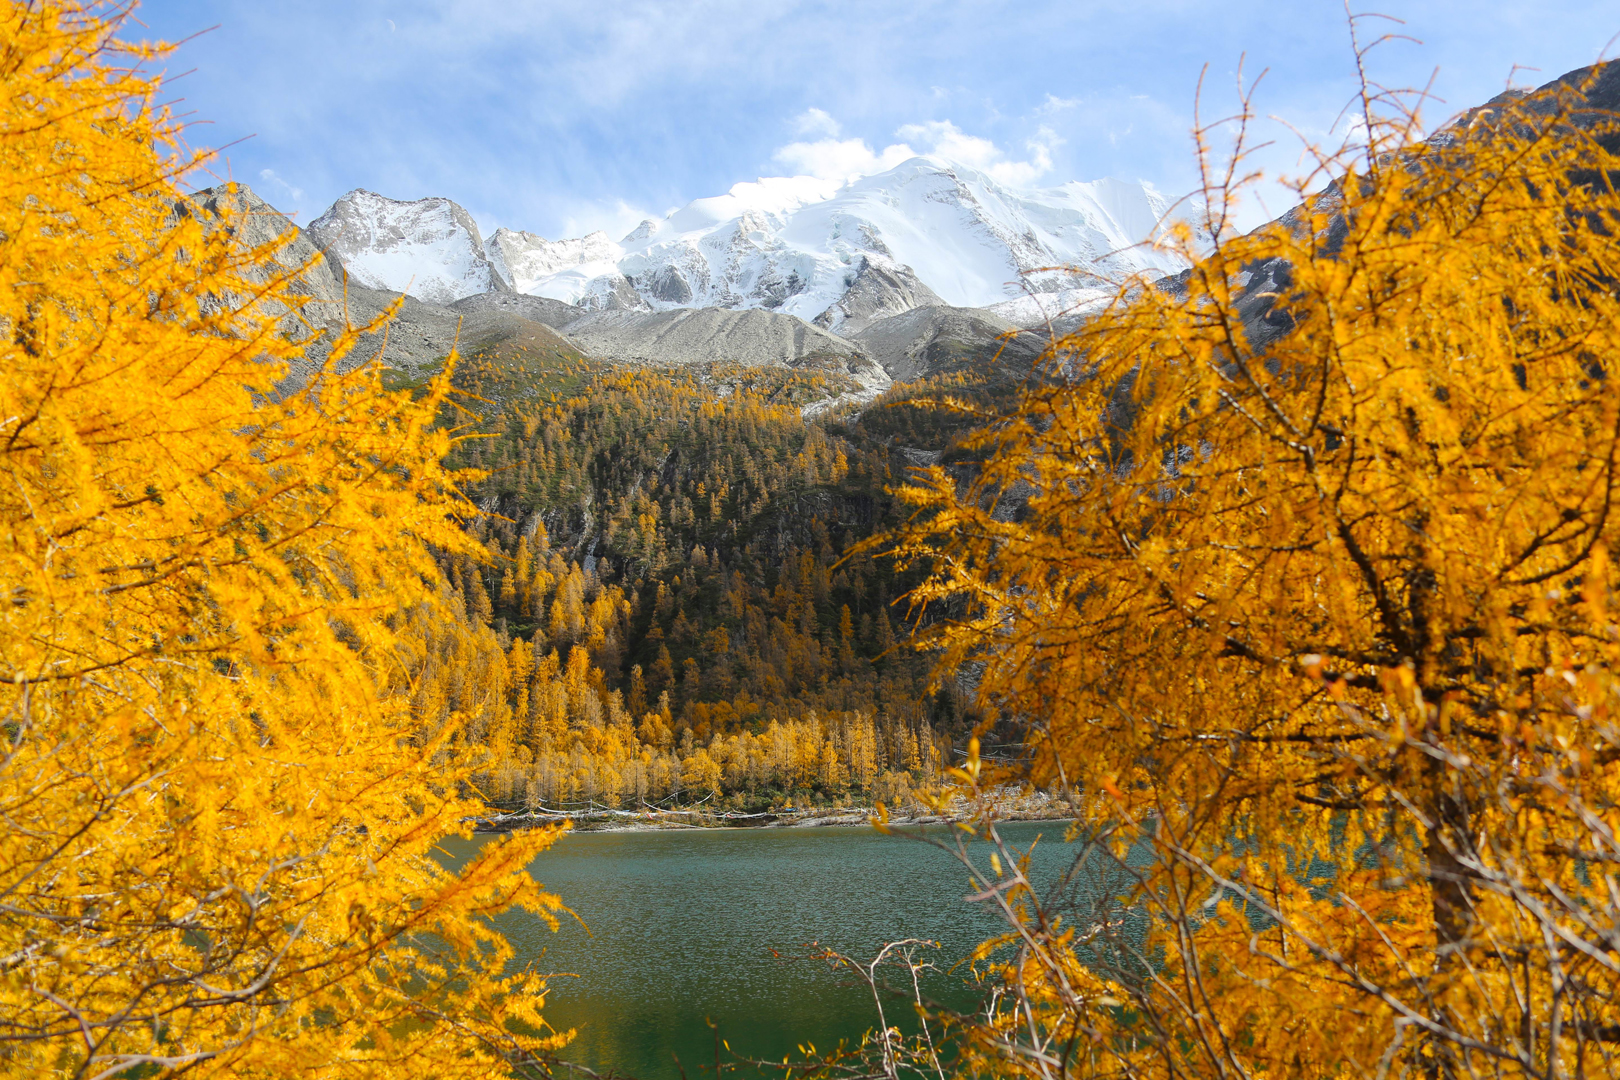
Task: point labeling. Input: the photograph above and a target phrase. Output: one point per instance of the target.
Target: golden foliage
(219, 823)
(1310, 599)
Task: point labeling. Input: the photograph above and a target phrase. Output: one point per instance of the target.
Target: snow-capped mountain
(928, 231)
(797, 245)
(429, 248)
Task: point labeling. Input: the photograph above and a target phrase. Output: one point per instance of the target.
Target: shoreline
(653, 819)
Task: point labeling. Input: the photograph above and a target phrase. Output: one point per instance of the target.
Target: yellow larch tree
(218, 813)
(1297, 572)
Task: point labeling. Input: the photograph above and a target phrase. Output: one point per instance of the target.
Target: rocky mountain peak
(429, 248)
(879, 289)
(926, 232)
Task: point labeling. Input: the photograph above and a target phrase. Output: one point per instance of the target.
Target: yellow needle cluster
(1307, 594)
(217, 817)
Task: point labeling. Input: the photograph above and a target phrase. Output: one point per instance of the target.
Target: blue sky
(560, 117)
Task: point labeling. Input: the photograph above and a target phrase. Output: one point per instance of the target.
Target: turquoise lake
(691, 926)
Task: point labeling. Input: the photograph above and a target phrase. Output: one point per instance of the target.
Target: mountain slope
(554, 313)
(880, 289)
(255, 223)
(688, 335)
(939, 340)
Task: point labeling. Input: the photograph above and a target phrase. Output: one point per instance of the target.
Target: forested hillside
(667, 611)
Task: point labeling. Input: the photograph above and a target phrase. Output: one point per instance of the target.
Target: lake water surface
(683, 926)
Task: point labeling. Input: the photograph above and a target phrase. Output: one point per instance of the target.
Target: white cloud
(832, 158)
(840, 159)
(279, 185)
(817, 122)
(949, 141)
(1354, 126)
(1055, 104)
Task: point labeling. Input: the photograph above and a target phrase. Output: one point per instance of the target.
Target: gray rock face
(429, 248)
(317, 322)
(668, 285)
(935, 340)
(692, 335)
(613, 292)
(253, 223)
(880, 289)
